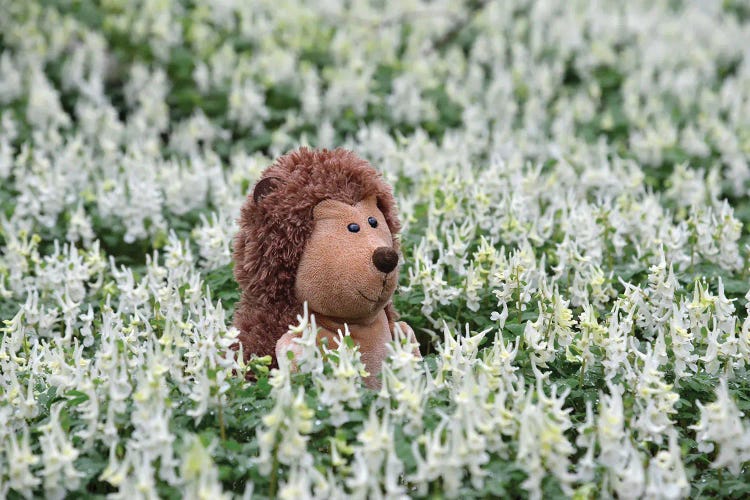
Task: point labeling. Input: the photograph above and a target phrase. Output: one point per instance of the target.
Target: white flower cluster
(112, 366)
(721, 425)
(573, 183)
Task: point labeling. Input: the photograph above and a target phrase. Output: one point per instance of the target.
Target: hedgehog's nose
(385, 259)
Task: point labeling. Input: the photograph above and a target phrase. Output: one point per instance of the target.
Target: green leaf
(75, 398)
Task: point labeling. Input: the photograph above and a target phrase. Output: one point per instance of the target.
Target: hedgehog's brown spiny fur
(275, 228)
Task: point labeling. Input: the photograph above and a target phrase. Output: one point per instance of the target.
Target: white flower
(247, 105)
(214, 237)
(542, 445)
(307, 356)
(200, 476)
(457, 354)
(58, 456)
(342, 388)
(587, 439)
(20, 461)
(406, 102)
(536, 337)
(11, 83)
(721, 425)
(440, 459)
(376, 468)
(79, 227)
(283, 434)
(44, 108)
(615, 343)
(404, 382)
(682, 338)
(666, 473)
(622, 460)
(498, 361)
(662, 285)
(655, 399)
(591, 333)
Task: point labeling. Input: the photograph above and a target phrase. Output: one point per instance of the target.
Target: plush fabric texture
(277, 221)
(337, 275)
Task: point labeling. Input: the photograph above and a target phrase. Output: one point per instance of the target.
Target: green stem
(549, 324)
(692, 258)
(518, 303)
(222, 429)
(580, 375)
(274, 471)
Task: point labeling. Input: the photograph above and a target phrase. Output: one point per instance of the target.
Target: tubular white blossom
(721, 425)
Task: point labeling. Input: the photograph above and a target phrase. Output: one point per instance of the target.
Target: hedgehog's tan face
(348, 269)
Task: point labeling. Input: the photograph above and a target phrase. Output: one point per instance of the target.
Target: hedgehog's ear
(264, 187)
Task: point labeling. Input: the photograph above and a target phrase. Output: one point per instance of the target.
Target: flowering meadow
(573, 180)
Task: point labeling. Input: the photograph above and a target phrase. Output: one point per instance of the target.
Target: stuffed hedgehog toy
(321, 227)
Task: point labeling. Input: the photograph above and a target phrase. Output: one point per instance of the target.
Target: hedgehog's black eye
(373, 221)
(353, 227)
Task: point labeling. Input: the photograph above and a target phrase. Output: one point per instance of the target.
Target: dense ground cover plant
(573, 180)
